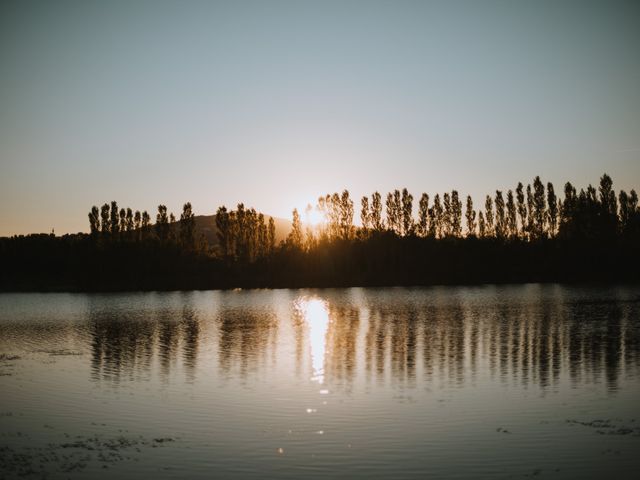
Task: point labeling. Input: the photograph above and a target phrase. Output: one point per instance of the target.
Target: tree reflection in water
(520, 335)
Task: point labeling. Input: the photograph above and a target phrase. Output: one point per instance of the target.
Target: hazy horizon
(276, 103)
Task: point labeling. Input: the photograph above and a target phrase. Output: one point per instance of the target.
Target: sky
(275, 103)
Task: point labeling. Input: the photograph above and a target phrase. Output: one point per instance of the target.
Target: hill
(206, 224)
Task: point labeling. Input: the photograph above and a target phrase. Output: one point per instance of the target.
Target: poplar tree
(470, 215)
(552, 210)
(530, 211)
(295, 236)
(162, 223)
(432, 232)
(456, 214)
(172, 234)
(397, 213)
(446, 216)
(104, 217)
(539, 208)
(482, 230)
(114, 219)
(123, 220)
(187, 226)
(423, 215)
(391, 212)
(137, 224)
(407, 212)
(608, 224)
(607, 195)
(346, 215)
(263, 245)
(512, 216)
(364, 212)
(522, 209)
(129, 217)
(488, 217)
(271, 235)
(625, 214)
(376, 212)
(500, 224)
(223, 230)
(240, 232)
(94, 220)
(437, 214)
(335, 214)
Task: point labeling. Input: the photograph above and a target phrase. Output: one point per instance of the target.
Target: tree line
(528, 234)
(110, 224)
(528, 214)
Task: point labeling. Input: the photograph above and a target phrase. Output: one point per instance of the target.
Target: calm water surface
(483, 382)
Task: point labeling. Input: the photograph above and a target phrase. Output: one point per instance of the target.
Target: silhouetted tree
(446, 215)
(423, 215)
(376, 212)
(129, 220)
(471, 217)
(295, 236)
(608, 224)
(172, 231)
(488, 217)
(123, 220)
(104, 217)
(539, 209)
(394, 212)
(241, 231)
(568, 212)
(223, 230)
(332, 208)
(187, 226)
(115, 220)
(530, 212)
(631, 228)
(512, 217)
(623, 201)
(501, 221)
(552, 210)
(629, 213)
(162, 223)
(433, 222)
(146, 224)
(438, 217)
(364, 213)
(522, 210)
(346, 216)
(94, 221)
(137, 224)
(456, 214)
(407, 212)
(271, 235)
(482, 228)
(263, 240)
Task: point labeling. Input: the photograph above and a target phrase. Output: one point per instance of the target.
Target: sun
(310, 215)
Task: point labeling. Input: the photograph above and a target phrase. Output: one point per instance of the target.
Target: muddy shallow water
(447, 382)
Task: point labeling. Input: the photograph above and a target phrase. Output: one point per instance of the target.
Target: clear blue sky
(276, 103)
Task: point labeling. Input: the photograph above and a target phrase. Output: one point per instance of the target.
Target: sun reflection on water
(316, 315)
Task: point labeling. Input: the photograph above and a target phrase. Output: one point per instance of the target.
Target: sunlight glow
(310, 215)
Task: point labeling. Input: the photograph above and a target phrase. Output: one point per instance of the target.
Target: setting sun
(310, 215)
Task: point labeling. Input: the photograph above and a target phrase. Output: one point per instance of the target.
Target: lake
(443, 382)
